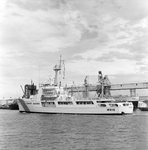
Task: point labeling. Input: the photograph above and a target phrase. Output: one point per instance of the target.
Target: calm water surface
(21, 131)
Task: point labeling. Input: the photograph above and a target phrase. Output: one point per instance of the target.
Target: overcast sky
(91, 35)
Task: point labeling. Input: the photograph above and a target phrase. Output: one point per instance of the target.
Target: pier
(132, 87)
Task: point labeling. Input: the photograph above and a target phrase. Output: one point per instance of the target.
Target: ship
(55, 99)
(13, 105)
(143, 105)
(4, 104)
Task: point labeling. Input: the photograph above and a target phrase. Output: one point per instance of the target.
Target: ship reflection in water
(74, 132)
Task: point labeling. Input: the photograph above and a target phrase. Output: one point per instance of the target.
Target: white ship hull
(36, 107)
(53, 98)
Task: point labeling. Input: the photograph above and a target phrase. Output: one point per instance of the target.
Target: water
(21, 131)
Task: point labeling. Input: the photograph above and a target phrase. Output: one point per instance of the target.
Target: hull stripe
(24, 105)
(74, 113)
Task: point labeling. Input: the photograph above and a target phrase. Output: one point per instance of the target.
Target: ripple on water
(72, 132)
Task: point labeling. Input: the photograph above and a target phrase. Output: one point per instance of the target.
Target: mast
(102, 94)
(86, 92)
(57, 68)
(101, 81)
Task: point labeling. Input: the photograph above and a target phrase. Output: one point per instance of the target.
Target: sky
(91, 35)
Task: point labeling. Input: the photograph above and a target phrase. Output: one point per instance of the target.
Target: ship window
(103, 101)
(100, 102)
(36, 103)
(43, 97)
(110, 109)
(51, 103)
(125, 104)
(90, 102)
(65, 103)
(49, 93)
(113, 105)
(84, 103)
(102, 105)
(28, 103)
